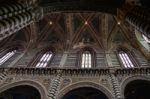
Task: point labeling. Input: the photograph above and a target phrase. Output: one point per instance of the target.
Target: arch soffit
(31, 83)
(47, 48)
(123, 46)
(130, 79)
(81, 50)
(20, 44)
(85, 84)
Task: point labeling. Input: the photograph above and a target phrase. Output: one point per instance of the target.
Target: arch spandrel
(127, 80)
(34, 84)
(85, 84)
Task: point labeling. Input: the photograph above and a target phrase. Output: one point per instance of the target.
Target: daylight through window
(86, 60)
(125, 60)
(7, 56)
(146, 39)
(44, 59)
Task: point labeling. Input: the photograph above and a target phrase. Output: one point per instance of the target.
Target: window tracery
(125, 59)
(44, 60)
(86, 60)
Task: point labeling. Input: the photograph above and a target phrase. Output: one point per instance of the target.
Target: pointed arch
(9, 53)
(85, 84)
(86, 58)
(37, 85)
(129, 79)
(43, 58)
(126, 58)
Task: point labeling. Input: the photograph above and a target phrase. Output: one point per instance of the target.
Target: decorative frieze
(56, 79)
(75, 72)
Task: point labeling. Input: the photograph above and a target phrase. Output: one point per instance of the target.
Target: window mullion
(83, 60)
(126, 57)
(127, 64)
(49, 57)
(38, 64)
(123, 60)
(128, 60)
(131, 64)
(3, 58)
(42, 57)
(44, 60)
(87, 60)
(90, 61)
(7, 56)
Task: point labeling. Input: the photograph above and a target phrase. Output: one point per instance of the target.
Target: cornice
(75, 72)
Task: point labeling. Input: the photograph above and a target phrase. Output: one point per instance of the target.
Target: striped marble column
(14, 17)
(115, 87)
(140, 18)
(54, 87)
(141, 12)
(137, 16)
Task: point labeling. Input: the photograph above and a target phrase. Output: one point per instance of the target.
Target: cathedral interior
(74, 49)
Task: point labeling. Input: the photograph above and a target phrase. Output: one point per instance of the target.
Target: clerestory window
(125, 59)
(7, 56)
(44, 60)
(86, 60)
(146, 39)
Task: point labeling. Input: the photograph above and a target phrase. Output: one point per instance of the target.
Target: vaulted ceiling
(74, 30)
(70, 29)
(81, 29)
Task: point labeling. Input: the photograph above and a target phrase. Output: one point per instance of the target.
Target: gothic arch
(130, 52)
(130, 79)
(34, 84)
(21, 45)
(81, 51)
(85, 84)
(39, 55)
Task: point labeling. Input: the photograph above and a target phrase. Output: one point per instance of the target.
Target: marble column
(14, 17)
(139, 23)
(137, 16)
(54, 85)
(56, 82)
(115, 86)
